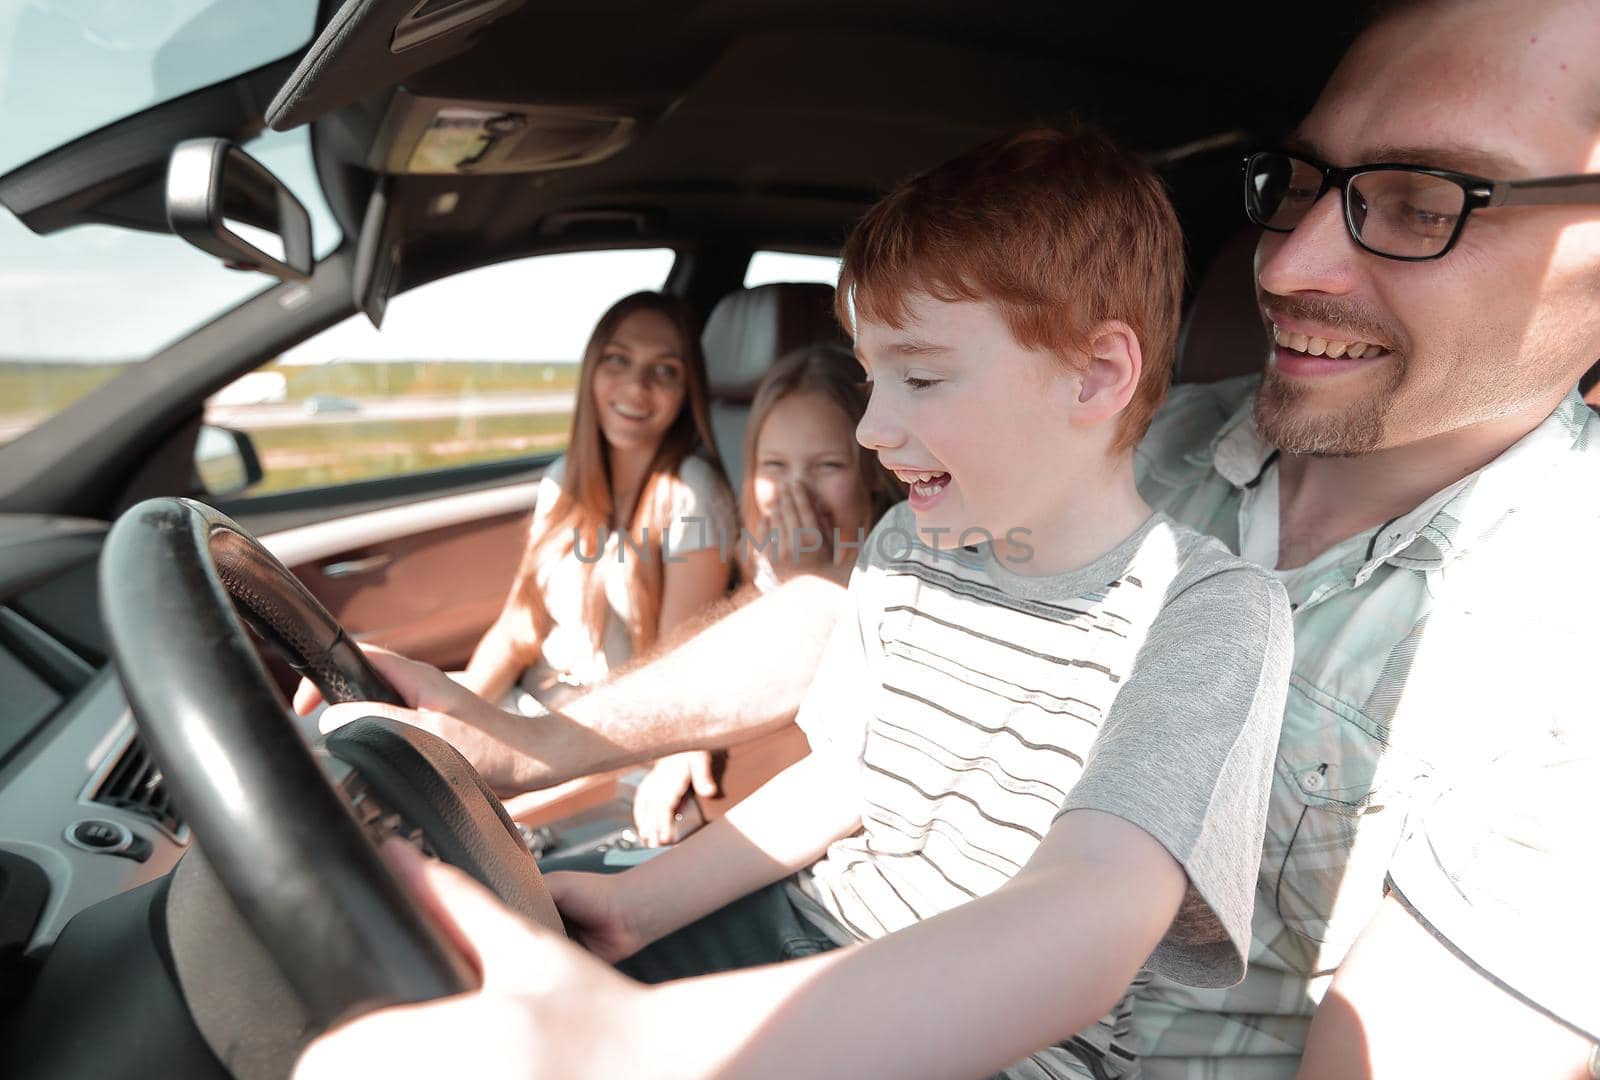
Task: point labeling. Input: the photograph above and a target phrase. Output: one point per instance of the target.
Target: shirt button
(1311, 782)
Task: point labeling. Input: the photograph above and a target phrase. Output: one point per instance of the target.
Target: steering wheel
(299, 865)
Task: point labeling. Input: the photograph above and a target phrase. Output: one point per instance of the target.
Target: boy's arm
(784, 826)
(1151, 861)
(740, 675)
(787, 824)
(963, 994)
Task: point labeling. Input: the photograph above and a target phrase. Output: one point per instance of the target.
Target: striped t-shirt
(982, 704)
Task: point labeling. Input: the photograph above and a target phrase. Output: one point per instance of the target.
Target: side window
(767, 267)
(477, 367)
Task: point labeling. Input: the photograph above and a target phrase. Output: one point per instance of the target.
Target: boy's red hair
(1060, 230)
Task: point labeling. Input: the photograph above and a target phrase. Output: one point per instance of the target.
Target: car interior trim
(296, 546)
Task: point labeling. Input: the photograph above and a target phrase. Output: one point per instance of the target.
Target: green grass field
(333, 451)
(39, 389)
(42, 389)
(314, 455)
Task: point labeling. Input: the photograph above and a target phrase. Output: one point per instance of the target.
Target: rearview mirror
(377, 266)
(226, 203)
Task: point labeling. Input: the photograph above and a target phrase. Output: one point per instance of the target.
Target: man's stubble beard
(1282, 417)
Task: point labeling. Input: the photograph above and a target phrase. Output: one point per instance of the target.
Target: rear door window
(767, 267)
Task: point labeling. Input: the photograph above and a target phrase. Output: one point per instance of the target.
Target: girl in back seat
(810, 496)
(624, 540)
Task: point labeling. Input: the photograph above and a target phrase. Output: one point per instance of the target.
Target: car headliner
(763, 123)
(774, 122)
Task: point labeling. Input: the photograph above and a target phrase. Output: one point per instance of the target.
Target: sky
(68, 67)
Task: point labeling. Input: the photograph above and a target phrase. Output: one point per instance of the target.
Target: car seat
(1222, 333)
(747, 331)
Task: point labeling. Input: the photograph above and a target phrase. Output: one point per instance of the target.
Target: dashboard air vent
(135, 784)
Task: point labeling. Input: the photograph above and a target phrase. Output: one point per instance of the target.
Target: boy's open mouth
(924, 484)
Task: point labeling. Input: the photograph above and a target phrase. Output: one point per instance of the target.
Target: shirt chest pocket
(1334, 823)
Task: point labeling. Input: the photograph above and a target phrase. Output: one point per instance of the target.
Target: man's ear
(1111, 373)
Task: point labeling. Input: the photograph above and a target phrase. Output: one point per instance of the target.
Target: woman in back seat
(810, 497)
(624, 540)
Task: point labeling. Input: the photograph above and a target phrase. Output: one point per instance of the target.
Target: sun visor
(450, 136)
(371, 45)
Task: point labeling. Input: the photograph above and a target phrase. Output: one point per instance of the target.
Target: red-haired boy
(1041, 744)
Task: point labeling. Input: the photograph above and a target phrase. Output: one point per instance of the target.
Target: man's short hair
(1059, 229)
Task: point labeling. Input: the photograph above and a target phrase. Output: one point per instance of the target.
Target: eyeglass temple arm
(1577, 190)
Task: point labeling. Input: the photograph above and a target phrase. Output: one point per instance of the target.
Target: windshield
(80, 305)
(68, 67)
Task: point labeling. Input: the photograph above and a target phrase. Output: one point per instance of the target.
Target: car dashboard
(84, 813)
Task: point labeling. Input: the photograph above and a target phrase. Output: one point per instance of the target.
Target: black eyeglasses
(1401, 212)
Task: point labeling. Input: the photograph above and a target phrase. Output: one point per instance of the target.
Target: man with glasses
(1415, 464)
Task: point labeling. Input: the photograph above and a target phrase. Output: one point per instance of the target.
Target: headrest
(1222, 335)
(751, 328)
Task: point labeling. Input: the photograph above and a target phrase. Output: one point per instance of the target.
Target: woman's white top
(701, 514)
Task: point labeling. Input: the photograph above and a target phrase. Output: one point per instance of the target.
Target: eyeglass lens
(1391, 211)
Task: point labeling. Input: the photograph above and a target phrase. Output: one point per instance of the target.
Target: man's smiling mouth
(1332, 348)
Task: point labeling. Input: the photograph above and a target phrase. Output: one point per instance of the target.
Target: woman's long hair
(833, 372)
(586, 505)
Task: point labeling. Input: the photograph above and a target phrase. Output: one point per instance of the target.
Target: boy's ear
(1111, 372)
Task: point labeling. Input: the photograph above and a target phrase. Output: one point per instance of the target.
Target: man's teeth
(1316, 346)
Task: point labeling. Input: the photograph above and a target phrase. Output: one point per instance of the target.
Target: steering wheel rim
(302, 871)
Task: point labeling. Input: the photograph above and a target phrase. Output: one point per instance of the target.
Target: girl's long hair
(586, 504)
(833, 372)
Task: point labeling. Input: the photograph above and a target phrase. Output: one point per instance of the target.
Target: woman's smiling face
(639, 382)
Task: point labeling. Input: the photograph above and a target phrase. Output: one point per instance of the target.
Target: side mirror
(226, 203)
(225, 461)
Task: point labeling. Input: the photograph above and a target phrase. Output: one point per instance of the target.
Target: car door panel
(425, 579)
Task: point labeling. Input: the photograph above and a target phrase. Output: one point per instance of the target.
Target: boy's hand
(544, 1007)
(422, 686)
(596, 911)
(438, 705)
(655, 803)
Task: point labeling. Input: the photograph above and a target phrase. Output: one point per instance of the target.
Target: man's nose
(1318, 256)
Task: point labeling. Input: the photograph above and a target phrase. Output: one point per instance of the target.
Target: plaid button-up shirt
(1428, 653)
